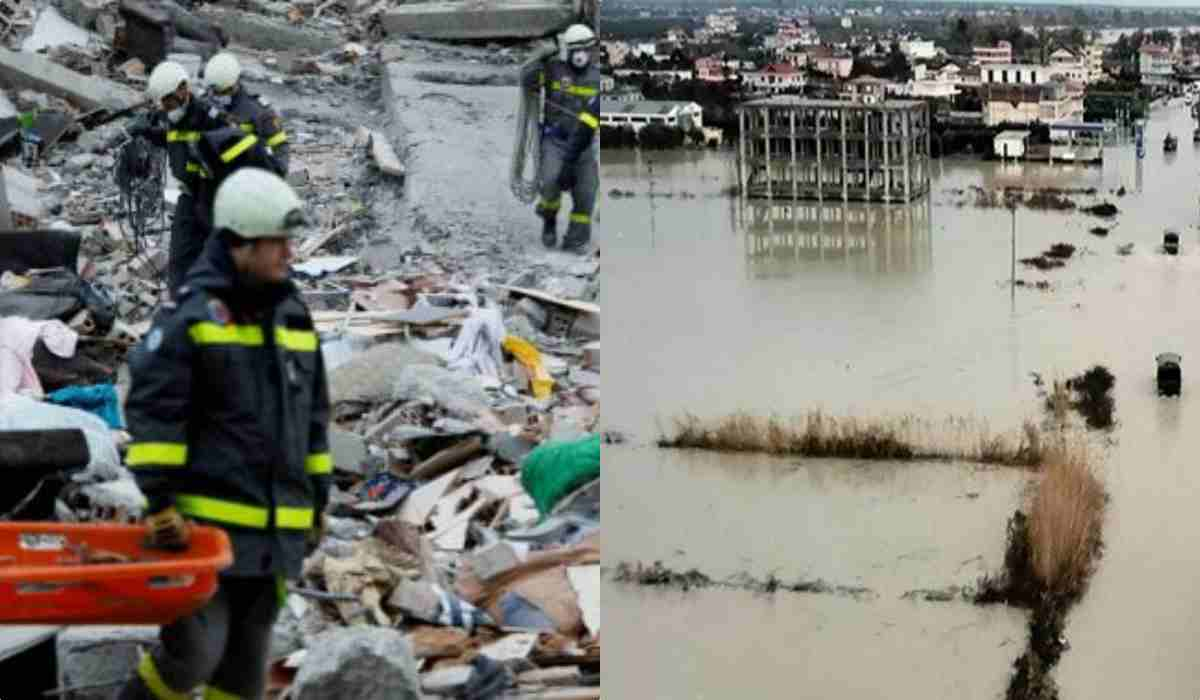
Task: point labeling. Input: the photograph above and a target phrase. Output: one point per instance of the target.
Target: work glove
(168, 530)
(316, 533)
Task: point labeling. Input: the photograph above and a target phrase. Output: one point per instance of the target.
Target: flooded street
(870, 310)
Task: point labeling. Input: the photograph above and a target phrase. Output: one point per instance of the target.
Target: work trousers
(581, 176)
(189, 231)
(224, 646)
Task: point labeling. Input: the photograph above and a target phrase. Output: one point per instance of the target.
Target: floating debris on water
(1103, 209)
(1098, 231)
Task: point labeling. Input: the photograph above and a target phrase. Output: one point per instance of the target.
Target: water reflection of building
(871, 238)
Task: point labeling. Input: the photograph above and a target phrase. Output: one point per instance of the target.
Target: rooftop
(642, 106)
(796, 101)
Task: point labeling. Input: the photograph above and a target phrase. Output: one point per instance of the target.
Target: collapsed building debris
(464, 366)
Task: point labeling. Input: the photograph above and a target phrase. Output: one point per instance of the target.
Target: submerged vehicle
(1170, 144)
(1170, 376)
(1171, 243)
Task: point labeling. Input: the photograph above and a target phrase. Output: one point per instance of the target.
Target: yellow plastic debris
(541, 385)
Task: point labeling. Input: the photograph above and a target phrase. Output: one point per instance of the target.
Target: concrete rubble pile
(458, 350)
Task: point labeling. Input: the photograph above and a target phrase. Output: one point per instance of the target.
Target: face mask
(580, 59)
(223, 100)
(175, 115)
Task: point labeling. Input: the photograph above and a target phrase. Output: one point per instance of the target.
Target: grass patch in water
(819, 435)
(1051, 556)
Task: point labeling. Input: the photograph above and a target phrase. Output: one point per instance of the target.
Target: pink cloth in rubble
(17, 338)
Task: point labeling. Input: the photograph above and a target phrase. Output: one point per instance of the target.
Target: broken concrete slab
(259, 32)
(29, 70)
(493, 560)
(349, 450)
(443, 117)
(447, 680)
(52, 29)
(82, 12)
(591, 356)
(365, 663)
(90, 656)
(461, 395)
(368, 376)
(385, 157)
(24, 194)
(514, 19)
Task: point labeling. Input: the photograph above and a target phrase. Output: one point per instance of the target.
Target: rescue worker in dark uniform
(188, 119)
(570, 151)
(228, 408)
(250, 113)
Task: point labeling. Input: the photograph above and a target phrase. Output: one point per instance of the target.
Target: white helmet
(222, 71)
(255, 203)
(578, 39)
(578, 36)
(164, 80)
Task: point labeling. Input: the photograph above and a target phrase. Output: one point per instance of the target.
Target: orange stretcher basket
(60, 573)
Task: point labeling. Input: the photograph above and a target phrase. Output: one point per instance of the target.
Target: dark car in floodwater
(1170, 376)
(1171, 243)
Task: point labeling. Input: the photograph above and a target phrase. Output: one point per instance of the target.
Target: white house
(1010, 144)
(1155, 64)
(682, 115)
(916, 49)
(1000, 53)
(1014, 74)
(774, 78)
(1070, 65)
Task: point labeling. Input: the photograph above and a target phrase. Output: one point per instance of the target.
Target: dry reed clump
(819, 435)
(1065, 519)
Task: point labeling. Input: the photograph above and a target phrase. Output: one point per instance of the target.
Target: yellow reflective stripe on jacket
(576, 90)
(280, 137)
(243, 514)
(581, 219)
(319, 463)
(300, 341)
(238, 148)
(159, 454)
(214, 693)
(148, 672)
(174, 136)
(209, 333)
(589, 119)
(192, 167)
(247, 127)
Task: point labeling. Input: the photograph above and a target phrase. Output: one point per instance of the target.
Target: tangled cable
(139, 175)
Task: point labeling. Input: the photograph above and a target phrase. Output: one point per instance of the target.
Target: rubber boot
(549, 231)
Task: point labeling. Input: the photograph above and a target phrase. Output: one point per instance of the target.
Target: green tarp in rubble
(555, 469)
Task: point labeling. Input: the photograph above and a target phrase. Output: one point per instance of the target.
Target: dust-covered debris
(659, 576)
(457, 346)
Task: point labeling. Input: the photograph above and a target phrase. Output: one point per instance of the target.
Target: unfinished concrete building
(795, 148)
(861, 237)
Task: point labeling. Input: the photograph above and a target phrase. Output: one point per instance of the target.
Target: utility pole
(1013, 270)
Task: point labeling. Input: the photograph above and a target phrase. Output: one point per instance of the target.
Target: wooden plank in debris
(558, 676)
(447, 459)
(385, 156)
(313, 244)
(417, 316)
(580, 306)
(420, 503)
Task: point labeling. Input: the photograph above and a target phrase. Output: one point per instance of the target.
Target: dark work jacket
(253, 115)
(572, 107)
(219, 153)
(179, 139)
(228, 408)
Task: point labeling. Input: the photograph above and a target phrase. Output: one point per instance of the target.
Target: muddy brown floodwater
(866, 309)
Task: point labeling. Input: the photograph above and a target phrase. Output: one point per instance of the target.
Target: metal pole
(1013, 273)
